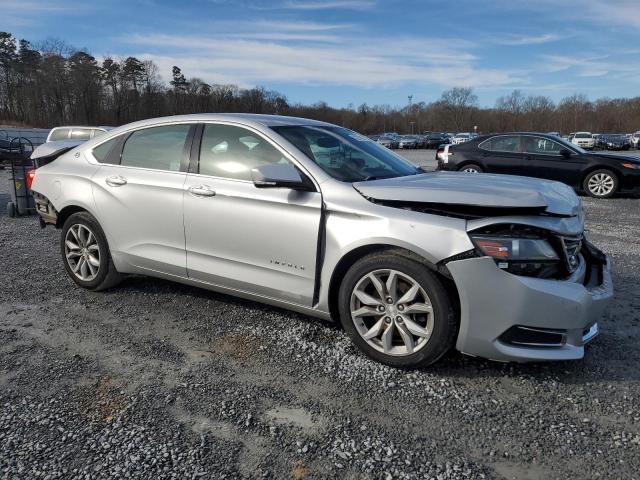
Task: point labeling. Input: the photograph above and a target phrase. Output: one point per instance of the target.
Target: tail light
(30, 174)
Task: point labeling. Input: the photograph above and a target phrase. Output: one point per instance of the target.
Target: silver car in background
(321, 220)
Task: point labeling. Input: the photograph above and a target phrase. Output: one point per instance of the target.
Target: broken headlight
(532, 257)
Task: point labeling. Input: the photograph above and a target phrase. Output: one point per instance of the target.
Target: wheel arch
(599, 166)
(67, 211)
(351, 257)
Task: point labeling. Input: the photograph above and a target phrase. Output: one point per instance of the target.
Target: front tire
(471, 168)
(600, 183)
(85, 253)
(397, 311)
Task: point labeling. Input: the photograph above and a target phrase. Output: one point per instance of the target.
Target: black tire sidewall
(445, 321)
(585, 183)
(84, 218)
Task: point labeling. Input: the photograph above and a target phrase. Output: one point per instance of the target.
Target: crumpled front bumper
(492, 301)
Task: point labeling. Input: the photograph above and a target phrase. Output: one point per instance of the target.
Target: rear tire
(471, 168)
(415, 323)
(600, 183)
(11, 209)
(85, 253)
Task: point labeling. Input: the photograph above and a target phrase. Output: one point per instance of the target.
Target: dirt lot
(158, 380)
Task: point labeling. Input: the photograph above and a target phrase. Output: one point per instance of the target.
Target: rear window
(158, 148)
(59, 134)
(81, 134)
(502, 144)
(101, 152)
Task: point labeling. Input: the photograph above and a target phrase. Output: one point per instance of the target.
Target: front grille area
(571, 247)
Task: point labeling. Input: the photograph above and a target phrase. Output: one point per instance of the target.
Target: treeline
(53, 84)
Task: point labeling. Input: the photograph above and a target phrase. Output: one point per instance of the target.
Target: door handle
(116, 181)
(202, 191)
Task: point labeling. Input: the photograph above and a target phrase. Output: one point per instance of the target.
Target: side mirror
(565, 153)
(279, 175)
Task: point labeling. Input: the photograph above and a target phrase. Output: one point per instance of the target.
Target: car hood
(475, 190)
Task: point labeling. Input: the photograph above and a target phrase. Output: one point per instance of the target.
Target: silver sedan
(318, 219)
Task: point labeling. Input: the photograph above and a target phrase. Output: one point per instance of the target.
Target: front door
(140, 199)
(258, 240)
(542, 159)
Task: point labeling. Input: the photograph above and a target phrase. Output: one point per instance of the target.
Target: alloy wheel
(82, 252)
(601, 184)
(392, 312)
(470, 170)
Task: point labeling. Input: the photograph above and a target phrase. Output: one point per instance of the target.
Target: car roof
(246, 118)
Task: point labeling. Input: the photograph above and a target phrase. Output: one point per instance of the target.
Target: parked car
(614, 141)
(436, 139)
(544, 156)
(316, 218)
(461, 138)
(408, 141)
(75, 133)
(387, 142)
(635, 140)
(584, 140)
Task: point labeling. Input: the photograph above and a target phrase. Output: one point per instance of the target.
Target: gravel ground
(159, 380)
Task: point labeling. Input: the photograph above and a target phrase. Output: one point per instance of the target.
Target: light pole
(412, 124)
(410, 97)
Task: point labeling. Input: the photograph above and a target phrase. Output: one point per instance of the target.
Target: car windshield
(346, 155)
(617, 136)
(462, 135)
(583, 135)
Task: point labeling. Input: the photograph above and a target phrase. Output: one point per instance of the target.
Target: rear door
(502, 154)
(258, 240)
(542, 158)
(139, 193)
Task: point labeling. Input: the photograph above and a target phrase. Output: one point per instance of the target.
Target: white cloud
(517, 40)
(351, 62)
(329, 4)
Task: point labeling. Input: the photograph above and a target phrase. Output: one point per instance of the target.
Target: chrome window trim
(91, 159)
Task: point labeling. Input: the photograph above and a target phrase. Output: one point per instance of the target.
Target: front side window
(541, 146)
(232, 152)
(80, 134)
(59, 134)
(159, 148)
(346, 155)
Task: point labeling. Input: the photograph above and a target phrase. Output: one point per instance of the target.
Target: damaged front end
(532, 288)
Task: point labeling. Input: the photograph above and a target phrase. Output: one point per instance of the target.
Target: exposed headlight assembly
(533, 257)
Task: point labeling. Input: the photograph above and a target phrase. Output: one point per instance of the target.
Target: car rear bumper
(506, 317)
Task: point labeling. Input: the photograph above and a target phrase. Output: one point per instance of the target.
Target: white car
(461, 138)
(584, 140)
(635, 139)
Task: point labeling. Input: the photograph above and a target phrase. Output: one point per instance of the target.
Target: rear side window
(81, 134)
(59, 134)
(101, 152)
(502, 144)
(159, 148)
